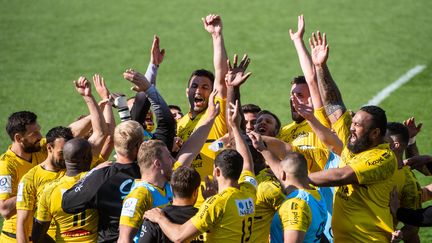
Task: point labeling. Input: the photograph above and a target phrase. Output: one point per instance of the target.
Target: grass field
(44, 45)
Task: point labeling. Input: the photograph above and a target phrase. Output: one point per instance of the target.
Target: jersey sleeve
(8, 178)
(376, 166)
(219, 128)
(342, 127)
(209, 214)
(134, 205)
(295, 214)
(321, 116)
(248, 183)
(26, 195)
(270, 192)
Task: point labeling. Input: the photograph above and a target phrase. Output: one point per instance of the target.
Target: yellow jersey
(140, 199)
(269, 197)
(316, 157)
(304, 210)
(301, 134)
(361, 212)
(409, 190)
(80, 227)
(204, 161)
(31, 187)
(228, 215)
(12, 169)
(342, 127)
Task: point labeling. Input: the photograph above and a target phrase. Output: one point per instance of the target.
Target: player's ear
(18, 137)
(283, 176)
(156, 163)
(187, 92)
(49, 147)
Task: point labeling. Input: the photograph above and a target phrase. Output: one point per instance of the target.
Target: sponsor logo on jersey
(245, 206)
(20, 192)
(5, 184)
(129, 207)
(251, 180)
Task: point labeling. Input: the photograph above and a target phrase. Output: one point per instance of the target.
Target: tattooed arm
(330, 94)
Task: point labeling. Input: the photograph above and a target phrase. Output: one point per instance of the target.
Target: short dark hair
(18, 121)
(379, 118)
(398, 129)
(202, 73)
(184, 182)
(230, 162)
(278, 123)
(299, 80)
(59, 132)
(175, 107)
(250, 108)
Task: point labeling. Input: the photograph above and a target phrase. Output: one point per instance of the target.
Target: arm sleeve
(83, 194)
(166, 125)
(151, 73)
(140, 107)
(8, 178)
(295, 214)
(419, 217)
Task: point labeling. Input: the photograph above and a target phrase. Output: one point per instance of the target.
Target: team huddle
(223, 172)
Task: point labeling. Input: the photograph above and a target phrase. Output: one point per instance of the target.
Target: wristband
(412, 141)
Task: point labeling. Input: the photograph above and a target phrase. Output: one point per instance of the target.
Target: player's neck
(294, 184)
(18, 150)
(123, 159)
(154, 178)
(183, 201)
(48, 164)
(399, 157)
(226, 183)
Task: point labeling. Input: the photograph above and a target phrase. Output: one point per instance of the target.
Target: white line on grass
(383, 94)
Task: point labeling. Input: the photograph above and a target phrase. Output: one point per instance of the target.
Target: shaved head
(77, 151)
(295, 164)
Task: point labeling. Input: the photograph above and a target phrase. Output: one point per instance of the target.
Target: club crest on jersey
(245, 207)
(5, 184)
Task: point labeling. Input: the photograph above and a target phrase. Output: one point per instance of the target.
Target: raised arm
(108, 115)
(165, 130)
(330, 139)
(213, 25)
(306, 63)
(413, 130)
(235, 77)
(99, 126)
(156, 58)
(193, 145)
(240, 144)
(330, 94)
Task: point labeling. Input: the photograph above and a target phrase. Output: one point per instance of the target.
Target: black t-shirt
(103, 189)
(151, 232)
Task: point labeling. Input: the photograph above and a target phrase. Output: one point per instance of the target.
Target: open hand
(236, 74)
(300, 29)
(319, 48)
(157, 55)
(100, 86)
(140, 82)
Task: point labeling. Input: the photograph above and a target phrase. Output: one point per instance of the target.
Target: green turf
(44, 45)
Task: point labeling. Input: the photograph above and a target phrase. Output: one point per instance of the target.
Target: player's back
(228, 216)
(80, 227)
